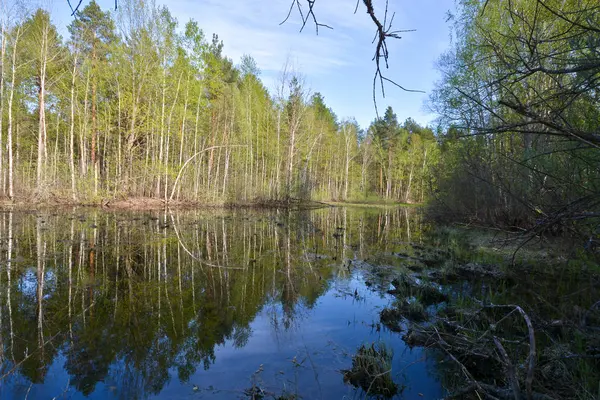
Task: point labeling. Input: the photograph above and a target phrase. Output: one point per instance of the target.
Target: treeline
(132, 104)
(520, 103)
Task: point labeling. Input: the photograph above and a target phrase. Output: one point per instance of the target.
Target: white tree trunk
(10, 116)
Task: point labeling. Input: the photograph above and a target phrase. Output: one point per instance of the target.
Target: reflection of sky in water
(302, 347)
(321, 340)
(28, 283)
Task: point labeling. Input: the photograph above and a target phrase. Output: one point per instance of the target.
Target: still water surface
(198, 304)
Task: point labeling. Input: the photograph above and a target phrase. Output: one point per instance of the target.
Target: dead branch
(201, 260)
(507, 393)
(383, 32)
(305, 16)
(76, 8)
(510, 369)
(530, 363)
(482, 347)
(476, 385)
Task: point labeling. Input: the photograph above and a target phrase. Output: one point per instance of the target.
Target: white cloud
(253, 27)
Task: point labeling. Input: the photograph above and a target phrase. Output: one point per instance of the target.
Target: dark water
(197, 304)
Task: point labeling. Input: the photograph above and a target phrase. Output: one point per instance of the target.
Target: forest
(520, 99)
(488, 287)
(133, 104)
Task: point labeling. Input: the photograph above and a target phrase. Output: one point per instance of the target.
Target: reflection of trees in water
(125, 381)
(130, 296)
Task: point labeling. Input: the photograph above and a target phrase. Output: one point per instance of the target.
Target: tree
(294, 109)
(386, 132)
(153, 111)
(522, 81)
(43, 49)
(349, 130)
(92, 33)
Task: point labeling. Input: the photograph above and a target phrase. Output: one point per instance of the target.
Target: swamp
(335, 302)
(200, 200)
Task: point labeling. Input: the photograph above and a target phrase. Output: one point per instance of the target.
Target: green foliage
(518, 101)
(402, 159)
(133, 98)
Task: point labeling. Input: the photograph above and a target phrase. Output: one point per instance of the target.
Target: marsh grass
(466, 298)
(372, 371)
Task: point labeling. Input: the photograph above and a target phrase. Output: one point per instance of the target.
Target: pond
(200, 304)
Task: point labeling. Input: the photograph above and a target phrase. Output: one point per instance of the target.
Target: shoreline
(152, 203)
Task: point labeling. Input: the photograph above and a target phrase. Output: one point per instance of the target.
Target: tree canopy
(131, 105)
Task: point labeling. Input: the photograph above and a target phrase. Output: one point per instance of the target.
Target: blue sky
(337, 63)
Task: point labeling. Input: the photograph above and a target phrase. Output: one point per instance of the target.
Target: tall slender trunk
(72, 129)
(94, 146)
(227, 150)
(410, 178)
(423, 174)
(41, 274)
(183, 120)
(9, 258)
(83, 129)
(166, 185)
(42, 109)
(213, 132)
(10, 116)
(388, 186)
(131, 134)
(381, 179)
(162, 128)
(55, 158)
(347, 166)
(3, 34)
(197, 175)
(119, 134)
(364, 168)
(278, 158)
(294, 125)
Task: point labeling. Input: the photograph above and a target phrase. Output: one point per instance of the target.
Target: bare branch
(383, 32)
(305, 17)
(76, 8)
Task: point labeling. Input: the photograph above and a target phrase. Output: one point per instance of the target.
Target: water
(198, 304)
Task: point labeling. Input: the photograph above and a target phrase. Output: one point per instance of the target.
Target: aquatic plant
(372, 370)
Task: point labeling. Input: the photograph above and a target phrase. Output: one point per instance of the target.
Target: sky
(338, 63)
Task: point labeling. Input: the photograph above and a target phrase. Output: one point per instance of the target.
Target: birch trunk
(11, 193)
(42, 108)
(72, 130)
(3, 34)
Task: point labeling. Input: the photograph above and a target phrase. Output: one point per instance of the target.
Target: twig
(305, 17)
(510, 369)
(383, 32)
(464, 369)
(74, 10)
(530, 364)
(185, 164)
(67, 387)
(28, 390)
(375, 378)
(190, 253)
